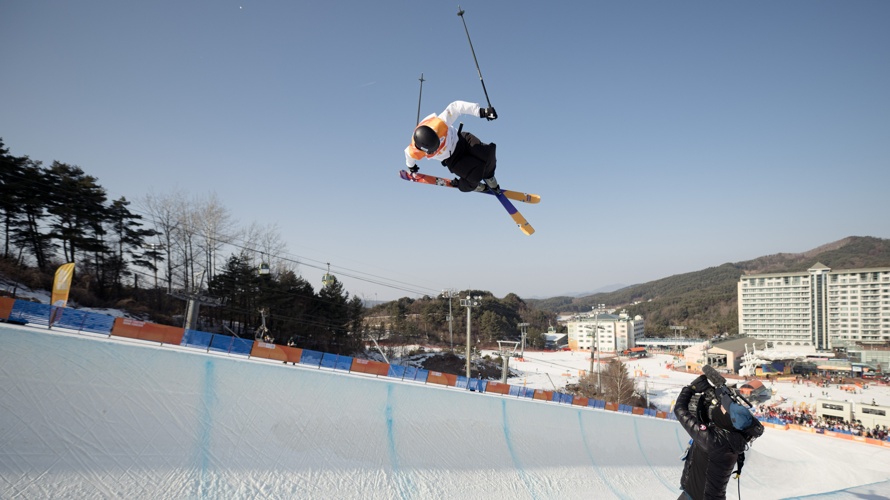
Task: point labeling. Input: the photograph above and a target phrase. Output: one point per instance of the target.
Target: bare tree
(214, 224)
(163, 213)
(618, 386)
(264, 244)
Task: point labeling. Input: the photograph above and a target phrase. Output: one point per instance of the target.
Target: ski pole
(460, 13)
(419, 98)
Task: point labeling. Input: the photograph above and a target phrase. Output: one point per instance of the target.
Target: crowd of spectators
(805, 418)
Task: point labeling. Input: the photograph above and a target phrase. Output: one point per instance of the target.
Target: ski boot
(492, 184)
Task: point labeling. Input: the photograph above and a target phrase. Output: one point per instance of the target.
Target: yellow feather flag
(62, 284)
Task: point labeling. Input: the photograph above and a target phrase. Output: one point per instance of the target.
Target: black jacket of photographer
(711, 457)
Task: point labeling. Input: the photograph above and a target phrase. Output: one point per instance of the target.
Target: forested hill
(705, 301)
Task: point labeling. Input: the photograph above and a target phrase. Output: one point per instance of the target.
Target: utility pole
(596, 332)
(646, 388)
(593, 351)
(449, 293)
(469, 303)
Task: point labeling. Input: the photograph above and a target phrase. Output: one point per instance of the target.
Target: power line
(288, 257)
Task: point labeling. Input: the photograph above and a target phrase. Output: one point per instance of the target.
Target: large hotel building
(819, 308)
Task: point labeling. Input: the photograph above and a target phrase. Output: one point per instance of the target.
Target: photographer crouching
(721, 430)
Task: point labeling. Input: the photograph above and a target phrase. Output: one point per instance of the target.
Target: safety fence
(776, 423)
(27, 312)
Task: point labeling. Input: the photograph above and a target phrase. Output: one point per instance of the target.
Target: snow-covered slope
(89, 417)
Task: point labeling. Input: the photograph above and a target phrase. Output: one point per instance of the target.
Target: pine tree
(13, 182)
(128, 237)
(32, 198)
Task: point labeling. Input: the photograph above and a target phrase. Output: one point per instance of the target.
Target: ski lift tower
(194, 300)
(506, 348)
(523, 331)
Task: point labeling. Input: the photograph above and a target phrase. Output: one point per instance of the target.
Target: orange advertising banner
(6, 304)
(498, 388)
(580, 401)
(543, 395)
(441, 378)
(131, 328)
(371, 367)
(801, 428)
(839, 435)
(281, 353)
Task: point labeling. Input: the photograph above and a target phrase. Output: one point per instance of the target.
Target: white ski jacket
(443, 124)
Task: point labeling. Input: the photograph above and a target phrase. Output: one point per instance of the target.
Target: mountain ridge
(705, 301)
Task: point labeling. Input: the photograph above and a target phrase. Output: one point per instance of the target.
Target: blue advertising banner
(344, 363)
(335, 361)
(221, 343)
(563, 398)
(85, 321)
(196, 339)
(241, 346)
(24, 312)
(395, 371)
(328, 360)
(476, 384)
(311, 358)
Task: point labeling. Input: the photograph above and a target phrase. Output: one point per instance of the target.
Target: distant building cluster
(820, 309)
(604, 331)
(794, 315)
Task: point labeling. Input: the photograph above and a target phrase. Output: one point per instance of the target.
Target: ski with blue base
(504, 197)
(441, 181)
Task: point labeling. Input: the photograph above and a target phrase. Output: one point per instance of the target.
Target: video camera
(702, 403)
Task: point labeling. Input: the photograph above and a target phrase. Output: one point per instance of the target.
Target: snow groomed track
(93, 417)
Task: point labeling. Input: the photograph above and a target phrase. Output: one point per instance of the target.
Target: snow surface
(84, 416)
(664, 384)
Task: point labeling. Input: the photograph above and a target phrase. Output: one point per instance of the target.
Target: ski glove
(455, 182)
(700, 384)
(414, 169)
(488, 113)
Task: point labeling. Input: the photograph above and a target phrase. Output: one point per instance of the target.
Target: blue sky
(663, 137)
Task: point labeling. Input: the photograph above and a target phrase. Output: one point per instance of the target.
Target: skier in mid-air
(471, 160)
(717, 445)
